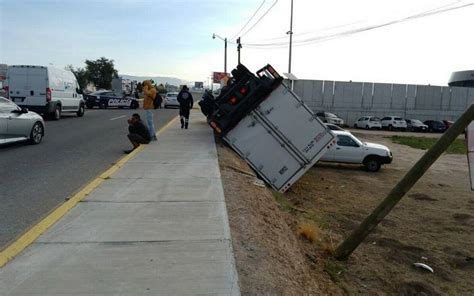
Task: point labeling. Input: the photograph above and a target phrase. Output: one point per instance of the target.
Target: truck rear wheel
(56, 115)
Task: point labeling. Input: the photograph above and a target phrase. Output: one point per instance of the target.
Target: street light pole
(225, 49)
(225, 56)
(291, 36)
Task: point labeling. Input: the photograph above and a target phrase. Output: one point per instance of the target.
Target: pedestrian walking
(186, 102)
(137, 132)
(149, 92)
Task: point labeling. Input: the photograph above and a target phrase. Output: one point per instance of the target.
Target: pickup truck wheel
(367, 127)
(355, 125)
(36, 134)
(81, 111)
(390, 128)
(372, 164)
(103, 105)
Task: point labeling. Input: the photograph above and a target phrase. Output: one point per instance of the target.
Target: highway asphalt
(35, 179)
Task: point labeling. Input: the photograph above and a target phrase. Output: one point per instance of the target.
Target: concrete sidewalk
(157, 227)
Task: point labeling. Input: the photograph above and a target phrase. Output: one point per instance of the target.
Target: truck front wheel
(372, 163)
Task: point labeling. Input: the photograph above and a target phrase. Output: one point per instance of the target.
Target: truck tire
(81, 111)
(372, 163)
(56, 115)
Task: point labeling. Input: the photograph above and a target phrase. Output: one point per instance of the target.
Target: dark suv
(435, 126)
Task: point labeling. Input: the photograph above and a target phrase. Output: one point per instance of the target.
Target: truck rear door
(27, 85)
(292, 119)
(257, 144)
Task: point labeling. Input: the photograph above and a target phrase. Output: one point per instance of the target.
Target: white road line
(115, 118)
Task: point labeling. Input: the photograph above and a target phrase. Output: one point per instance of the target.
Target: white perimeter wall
(351, 100)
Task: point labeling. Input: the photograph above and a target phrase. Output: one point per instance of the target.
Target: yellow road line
(33, 233)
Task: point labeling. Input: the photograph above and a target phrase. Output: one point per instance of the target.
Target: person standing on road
(186, 102)
(149, 92)
(137, 132)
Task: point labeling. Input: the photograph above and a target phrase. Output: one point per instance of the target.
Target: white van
(44, 90)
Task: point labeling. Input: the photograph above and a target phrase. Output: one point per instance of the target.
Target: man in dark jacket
(186, 102)
(138, 132)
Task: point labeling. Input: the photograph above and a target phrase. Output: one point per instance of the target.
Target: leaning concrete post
(346, 248)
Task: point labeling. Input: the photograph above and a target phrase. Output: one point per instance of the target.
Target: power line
(266, 12)
(317, 39)
(256, 11)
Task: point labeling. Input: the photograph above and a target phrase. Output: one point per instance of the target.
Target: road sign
(218, 76)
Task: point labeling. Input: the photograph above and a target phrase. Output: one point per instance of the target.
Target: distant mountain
(156, 79)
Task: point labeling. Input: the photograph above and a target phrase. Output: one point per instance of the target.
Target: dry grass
(309, 231)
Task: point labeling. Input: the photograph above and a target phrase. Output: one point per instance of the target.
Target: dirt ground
(433, 224)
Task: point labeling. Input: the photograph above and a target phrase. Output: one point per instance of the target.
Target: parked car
(171, 100)
(45, 90)
(19, 124)
(394, 122)
(327, 117)
(368, 122)
(416, 125)
(349, 149)
(448, 123)
(435, 126)
(106, 98)
(334, 127)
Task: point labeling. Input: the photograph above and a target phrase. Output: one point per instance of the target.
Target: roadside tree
(101, 72)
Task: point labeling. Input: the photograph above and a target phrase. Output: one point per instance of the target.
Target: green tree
(81, 74)
(101, 72)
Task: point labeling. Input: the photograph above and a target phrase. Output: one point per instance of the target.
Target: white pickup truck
(349, 149)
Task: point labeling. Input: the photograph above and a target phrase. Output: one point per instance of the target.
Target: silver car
(19, 124)
(171, 100)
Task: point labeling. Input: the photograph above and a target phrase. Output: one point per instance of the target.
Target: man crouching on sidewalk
(138, 132)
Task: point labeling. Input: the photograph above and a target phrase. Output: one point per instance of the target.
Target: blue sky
(174, 37)
(143, 37)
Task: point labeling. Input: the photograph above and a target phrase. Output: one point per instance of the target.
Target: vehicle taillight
(48, 94)
(243, 90)
(6, 88)
(233, 100)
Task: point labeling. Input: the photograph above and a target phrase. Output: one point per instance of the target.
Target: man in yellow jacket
(149, 92)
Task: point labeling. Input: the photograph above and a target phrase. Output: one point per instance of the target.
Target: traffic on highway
(54, 141)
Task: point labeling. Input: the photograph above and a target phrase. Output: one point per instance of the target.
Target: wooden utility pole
(346, 248)
(239, 46)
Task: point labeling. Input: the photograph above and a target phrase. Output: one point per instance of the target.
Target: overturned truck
(268, 125)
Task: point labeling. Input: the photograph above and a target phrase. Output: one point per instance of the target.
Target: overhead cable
(266, 12)
(322, 38)
(256, 11)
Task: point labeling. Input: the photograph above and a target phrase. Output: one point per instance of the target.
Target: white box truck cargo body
(281, 139)
(44, 90)
(269, 126)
